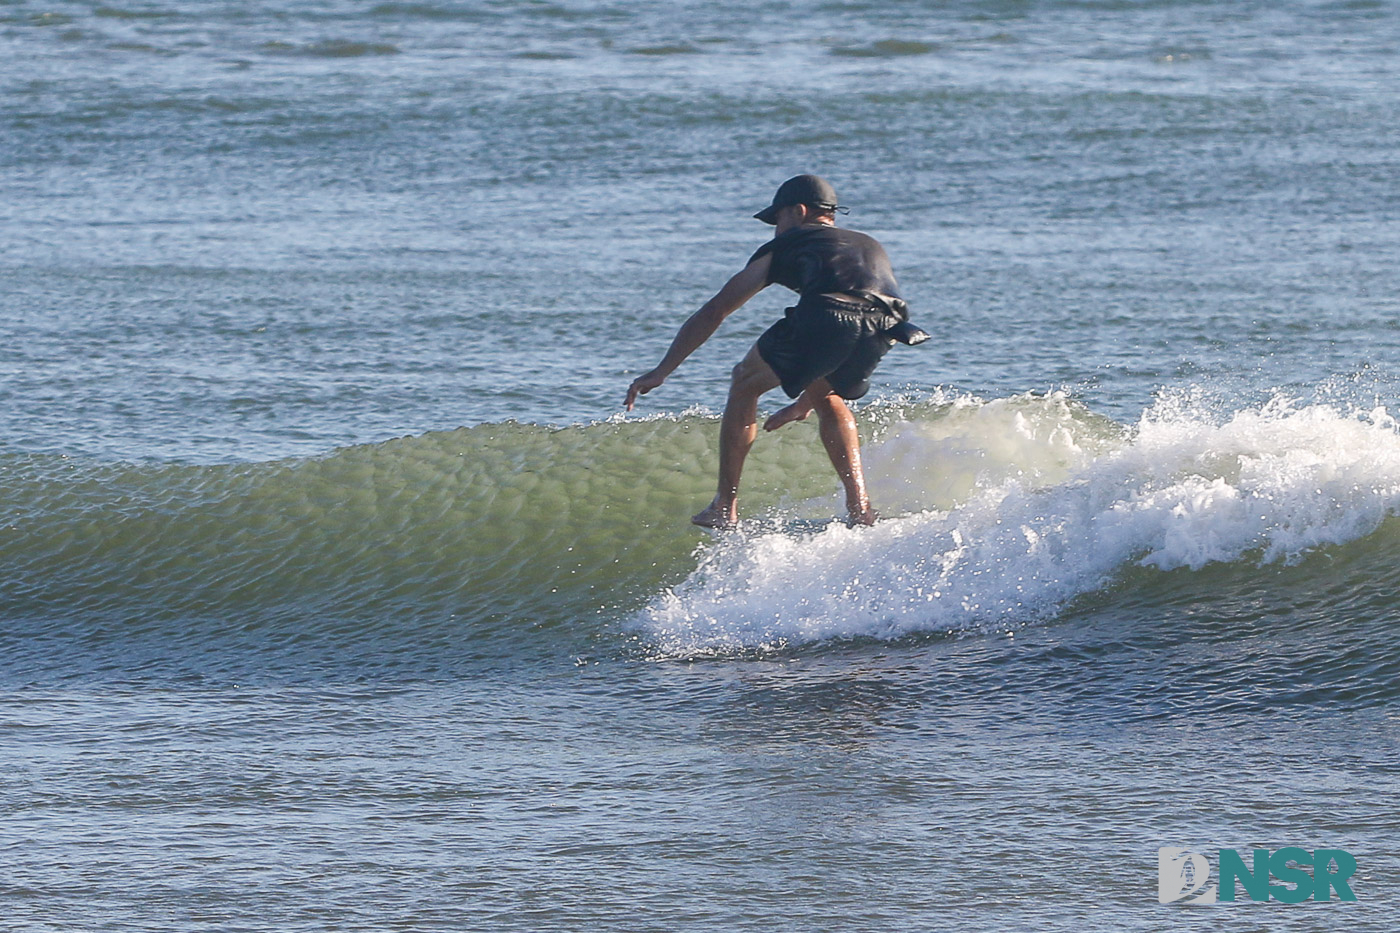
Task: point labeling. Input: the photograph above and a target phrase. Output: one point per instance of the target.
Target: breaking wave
(505, 539)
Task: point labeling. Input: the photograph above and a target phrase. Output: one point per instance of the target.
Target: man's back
(816, 259)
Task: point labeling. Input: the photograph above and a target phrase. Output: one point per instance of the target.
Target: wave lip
(1180, 491)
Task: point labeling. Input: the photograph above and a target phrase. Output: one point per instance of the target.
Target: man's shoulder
(841, 239)
(819, 236)
(818, 232)
(833, 232)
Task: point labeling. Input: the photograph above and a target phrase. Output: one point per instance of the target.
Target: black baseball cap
(812, 190)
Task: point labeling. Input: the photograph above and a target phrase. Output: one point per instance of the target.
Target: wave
(501, 539)
(478, 533)
(886, 48)
(330, 48)
(1023, 507)
(108, 12)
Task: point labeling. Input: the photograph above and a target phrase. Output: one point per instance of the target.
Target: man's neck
(823, 221)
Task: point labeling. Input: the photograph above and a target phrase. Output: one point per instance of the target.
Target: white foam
(1025, 503)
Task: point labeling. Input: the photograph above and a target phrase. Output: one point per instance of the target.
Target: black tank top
(815, 259)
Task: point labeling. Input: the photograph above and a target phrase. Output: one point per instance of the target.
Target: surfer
(823, 351)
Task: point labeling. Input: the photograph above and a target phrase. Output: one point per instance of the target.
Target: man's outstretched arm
(702, 324)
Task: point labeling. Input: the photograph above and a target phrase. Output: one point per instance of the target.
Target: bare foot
(716, 516)
(866, 516)
(786, 415)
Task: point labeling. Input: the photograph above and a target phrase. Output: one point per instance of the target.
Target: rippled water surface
(336, 594)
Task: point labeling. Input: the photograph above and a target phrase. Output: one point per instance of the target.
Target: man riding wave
(823, 351)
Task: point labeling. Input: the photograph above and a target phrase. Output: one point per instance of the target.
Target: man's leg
(751, 378)
(842, 443)
(800, 408)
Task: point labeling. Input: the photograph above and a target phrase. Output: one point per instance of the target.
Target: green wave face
(503, 525)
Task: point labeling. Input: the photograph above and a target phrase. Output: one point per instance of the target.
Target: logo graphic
(1182, 875)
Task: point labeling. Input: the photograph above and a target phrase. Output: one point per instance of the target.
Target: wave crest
(1059, 509)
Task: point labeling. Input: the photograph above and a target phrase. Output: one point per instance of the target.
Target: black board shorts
(841, 340)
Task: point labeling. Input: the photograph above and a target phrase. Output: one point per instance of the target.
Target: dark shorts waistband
(860, 303)
(841, 302)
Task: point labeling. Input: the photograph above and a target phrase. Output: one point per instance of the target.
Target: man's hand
(642, 385)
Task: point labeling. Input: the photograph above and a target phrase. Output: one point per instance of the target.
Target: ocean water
(337, 592)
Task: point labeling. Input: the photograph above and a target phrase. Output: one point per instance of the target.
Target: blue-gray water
(335, 593)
